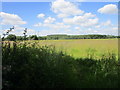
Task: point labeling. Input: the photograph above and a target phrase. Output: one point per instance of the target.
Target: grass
(80, 48)
(28, 65)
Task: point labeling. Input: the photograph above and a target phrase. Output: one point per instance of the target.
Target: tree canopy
(12, 37)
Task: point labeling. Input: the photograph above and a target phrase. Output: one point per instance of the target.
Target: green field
(82, 48)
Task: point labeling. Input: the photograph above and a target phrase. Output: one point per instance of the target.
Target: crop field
(84, 48)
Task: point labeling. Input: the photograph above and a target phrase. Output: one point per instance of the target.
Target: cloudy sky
(60, 17)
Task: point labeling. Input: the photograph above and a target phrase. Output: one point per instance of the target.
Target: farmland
(82, 48)
(59, 44)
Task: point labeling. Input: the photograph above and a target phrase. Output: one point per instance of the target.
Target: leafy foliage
(25, 65)
(11, 37)
(33, 37)
(58, 37)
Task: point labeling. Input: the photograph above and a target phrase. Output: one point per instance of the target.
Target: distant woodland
(12, 37)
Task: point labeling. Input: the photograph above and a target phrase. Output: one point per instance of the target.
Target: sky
(54, 0)
(60, 17)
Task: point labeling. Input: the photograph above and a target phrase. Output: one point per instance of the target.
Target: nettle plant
(25, 33)
(7, 32)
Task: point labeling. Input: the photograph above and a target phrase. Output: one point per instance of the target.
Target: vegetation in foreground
(32, 66)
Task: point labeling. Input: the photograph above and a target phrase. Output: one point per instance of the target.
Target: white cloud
(38, 25)
(41, 15)
(31, 32)
(69, 20)
(74, 23)
(107, 23)
(97, 26)
(56, 26)
(11, 19)
(48, 32)
(108, 9)
(77, 28)
(18, 31)
(115, 28)
(49, 20)
(88, 15)
(62, 15)
(65, 8)
(109, 31)
(90, 22)
(60, 26)
(81, 0)
(88, 19)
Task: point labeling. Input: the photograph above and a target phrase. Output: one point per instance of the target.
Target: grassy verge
(32, 66)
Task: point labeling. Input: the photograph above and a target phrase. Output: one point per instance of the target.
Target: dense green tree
(33, 37)
(19, 38)
(11, 37)
(60, 37)
(42, 38)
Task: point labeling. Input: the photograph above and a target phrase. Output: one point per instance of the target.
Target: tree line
(12, 37)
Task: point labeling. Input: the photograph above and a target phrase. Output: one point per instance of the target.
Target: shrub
(29, 66)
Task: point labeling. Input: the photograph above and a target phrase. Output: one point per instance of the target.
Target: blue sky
(44, 18)
(54, 0)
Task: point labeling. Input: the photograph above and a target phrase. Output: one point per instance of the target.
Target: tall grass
(29, 66)
(80, 48)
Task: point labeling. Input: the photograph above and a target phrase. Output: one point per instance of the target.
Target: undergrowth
(29, 66)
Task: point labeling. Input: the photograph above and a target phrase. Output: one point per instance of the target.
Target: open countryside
(59, 44)
(82, 48)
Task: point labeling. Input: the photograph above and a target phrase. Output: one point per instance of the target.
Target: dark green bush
(42, 67)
